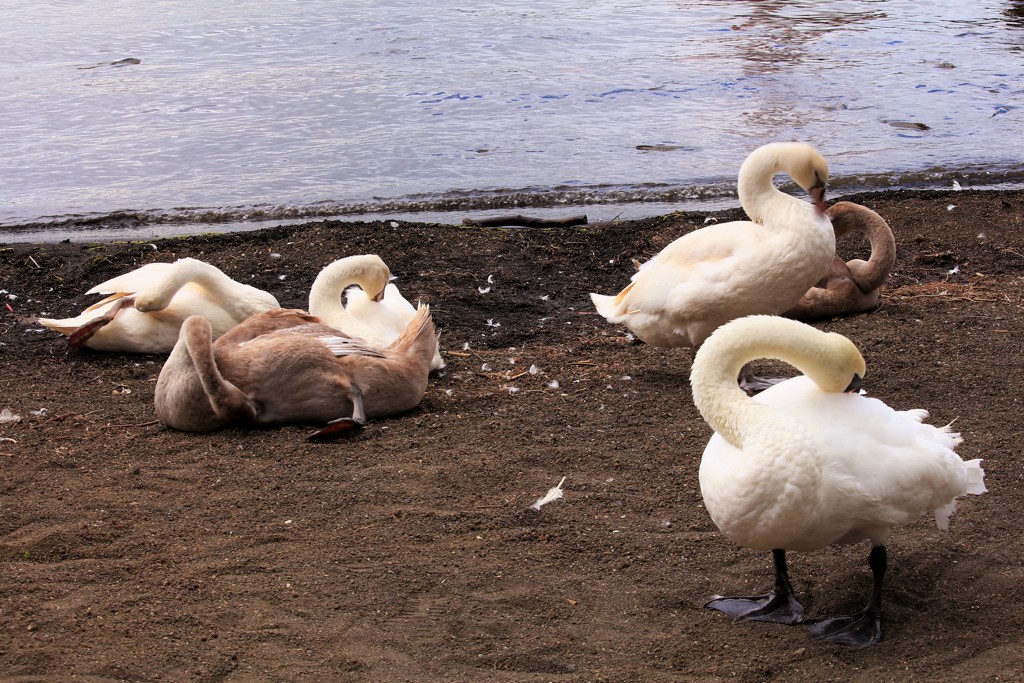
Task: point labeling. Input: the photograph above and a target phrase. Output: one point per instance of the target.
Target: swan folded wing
(69, 325)
(349, 346)
(698, 269)
(922, 474)
(892, 468)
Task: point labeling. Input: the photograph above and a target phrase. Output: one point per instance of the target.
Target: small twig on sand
(138, 424)
(58, 418)
(525, 221)
(951, 297)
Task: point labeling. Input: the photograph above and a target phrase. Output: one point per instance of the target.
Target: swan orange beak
(817, 193)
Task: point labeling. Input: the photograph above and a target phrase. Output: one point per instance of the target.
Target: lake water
(141, 118)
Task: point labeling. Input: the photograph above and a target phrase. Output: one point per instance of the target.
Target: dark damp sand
(132, 552)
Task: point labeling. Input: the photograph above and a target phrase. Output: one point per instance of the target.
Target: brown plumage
(286, 366)
(851, 286)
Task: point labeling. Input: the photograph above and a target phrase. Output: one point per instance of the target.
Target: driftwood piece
(525, 221)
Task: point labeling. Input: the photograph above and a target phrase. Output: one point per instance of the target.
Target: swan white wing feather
(715, 274)
(387, 317)
(878, 467)
(348, 346)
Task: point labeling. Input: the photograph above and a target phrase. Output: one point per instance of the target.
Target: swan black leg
(865, 628)
(780, 606)
(753, 384)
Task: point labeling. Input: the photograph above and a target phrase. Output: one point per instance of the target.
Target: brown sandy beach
(131, 552)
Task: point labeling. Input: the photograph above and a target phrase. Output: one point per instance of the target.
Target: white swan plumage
(374, 310)
(145, 308)
(809, 462)
(389, 316)
(728, 270)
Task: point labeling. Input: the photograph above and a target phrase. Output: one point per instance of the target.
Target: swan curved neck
(325, 295)
(209, 277)
(871, 275)
(333, 280)
(757, 193)
(722, 403)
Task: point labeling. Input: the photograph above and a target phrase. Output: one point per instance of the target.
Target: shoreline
(166, 224)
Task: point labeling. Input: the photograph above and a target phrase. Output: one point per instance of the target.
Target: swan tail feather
(419, 331)
(943, 514)
(607, 306)
(916, 414)
(975, 477)
(65, 327)
(974, 485)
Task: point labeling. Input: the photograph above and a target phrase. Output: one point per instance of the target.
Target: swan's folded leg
(779, 606)
(752, 384)
(857, 630)
(79, 337)
(344, 425)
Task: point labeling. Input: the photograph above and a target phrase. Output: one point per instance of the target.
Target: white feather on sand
(554, 493)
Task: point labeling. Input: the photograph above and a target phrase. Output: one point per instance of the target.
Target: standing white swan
(809, 463)
(376, 311)
(147, 306)
(724, 271)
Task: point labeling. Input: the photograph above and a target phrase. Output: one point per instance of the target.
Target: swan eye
(854, 385)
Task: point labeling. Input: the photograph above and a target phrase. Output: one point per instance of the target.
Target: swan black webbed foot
(752, 384)
(779, 607)
(863, 629)
(336, 429)
(854, 630)
(344, 426)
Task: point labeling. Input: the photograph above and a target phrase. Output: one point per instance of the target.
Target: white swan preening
(285, 366)
(147, 306)
(809, 463)
(728, 270)
(376, 311)
(851, 286)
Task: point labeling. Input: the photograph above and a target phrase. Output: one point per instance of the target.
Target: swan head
(838, 367)
(373, 278)
(366, 270)
(809, 170)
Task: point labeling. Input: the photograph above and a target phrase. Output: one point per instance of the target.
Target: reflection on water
(268, 108)
(1015, 17)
